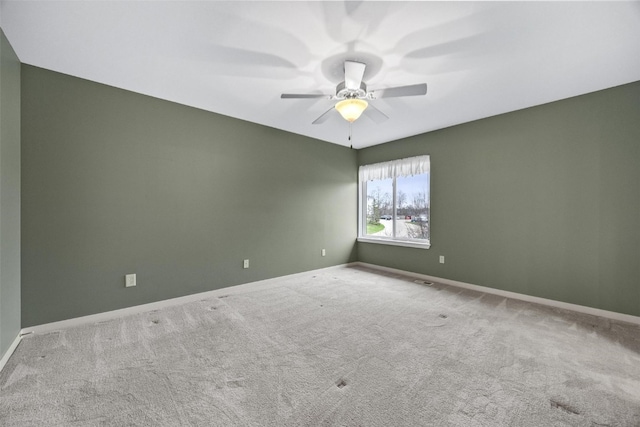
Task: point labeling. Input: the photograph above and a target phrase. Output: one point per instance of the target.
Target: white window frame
(397, 168)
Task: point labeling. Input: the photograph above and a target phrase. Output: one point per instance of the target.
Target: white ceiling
(235, 58)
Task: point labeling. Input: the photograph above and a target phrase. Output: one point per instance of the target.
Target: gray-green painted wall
(115, 182)
(543, 201)
(9, 195)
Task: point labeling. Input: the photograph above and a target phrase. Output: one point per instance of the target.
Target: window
(394, 202)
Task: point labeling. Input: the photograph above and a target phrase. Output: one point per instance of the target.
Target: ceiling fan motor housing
(343, 92)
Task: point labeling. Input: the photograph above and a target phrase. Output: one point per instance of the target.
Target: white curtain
(402, 167)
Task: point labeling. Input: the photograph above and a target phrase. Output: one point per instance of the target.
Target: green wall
(9, 195)
(543, 201)
(115, 182)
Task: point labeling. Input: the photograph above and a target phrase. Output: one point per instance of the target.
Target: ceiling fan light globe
(351, 109)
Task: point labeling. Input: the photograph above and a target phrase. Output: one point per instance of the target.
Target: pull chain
(350, 145)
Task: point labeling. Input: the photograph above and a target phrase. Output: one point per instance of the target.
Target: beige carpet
(342, 347)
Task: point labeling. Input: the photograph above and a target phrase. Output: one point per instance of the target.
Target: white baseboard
(513, 295)
(265, 284)
(114, 314)
(10, 351)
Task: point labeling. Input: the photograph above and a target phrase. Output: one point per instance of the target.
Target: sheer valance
(402, 167)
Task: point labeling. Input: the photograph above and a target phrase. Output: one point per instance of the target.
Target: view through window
(395, 201)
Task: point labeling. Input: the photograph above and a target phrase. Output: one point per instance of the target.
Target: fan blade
(374, 114)
(323, 118)
(353, 73)
(304, 95)
(393, 92)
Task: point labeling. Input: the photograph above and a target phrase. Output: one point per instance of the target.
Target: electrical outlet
(441, 259)
(324, 252)
(129, 280)
(245, 264)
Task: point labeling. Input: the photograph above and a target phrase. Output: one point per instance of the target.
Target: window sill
(405, 243)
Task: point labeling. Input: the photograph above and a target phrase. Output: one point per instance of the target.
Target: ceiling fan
(352, 95)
